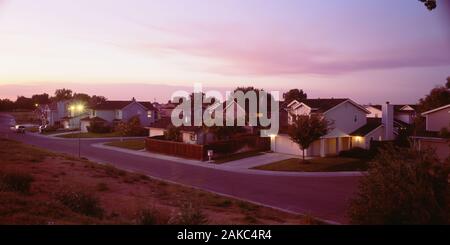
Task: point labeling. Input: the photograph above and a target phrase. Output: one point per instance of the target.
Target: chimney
(388, 121)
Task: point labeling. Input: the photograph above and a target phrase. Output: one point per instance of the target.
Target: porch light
(72, 108)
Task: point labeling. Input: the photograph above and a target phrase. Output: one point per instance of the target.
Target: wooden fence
(159, 145)
(200, 152)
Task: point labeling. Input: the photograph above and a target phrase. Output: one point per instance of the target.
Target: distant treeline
(30, 103)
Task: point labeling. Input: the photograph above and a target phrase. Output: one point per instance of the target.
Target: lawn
(90, 135)
(129, 144)
(40, 187)
(236, 157)
(327, 164)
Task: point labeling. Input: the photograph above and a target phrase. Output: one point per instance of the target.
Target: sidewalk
(240, 166)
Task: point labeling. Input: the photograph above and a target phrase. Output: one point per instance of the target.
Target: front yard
(40, 187)
(327, 164)
(90, 135)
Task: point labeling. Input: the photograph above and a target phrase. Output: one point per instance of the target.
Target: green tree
(41, 99)
(81, 97)
(295, 94)
(172, 133)
(403, 186)
(304, 130)
(132, 128)
(63, 94)
(25, 103)
(430, 4)
(437, 97)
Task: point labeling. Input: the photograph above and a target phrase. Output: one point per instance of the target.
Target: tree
(24, 103)
(304, 130)
(41, 99)
(430, 4)
(295, 94)
(447, 85)
(132, 128)
(172, 133)
(63, 94)
(96, 100)
(81, 97)
(6, 105)
(403, 186)
(438, 97)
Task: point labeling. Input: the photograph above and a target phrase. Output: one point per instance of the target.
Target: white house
(402, 113)
(436, 120)
(350, 127)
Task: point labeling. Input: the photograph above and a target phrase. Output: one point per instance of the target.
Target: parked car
(20, 129)
(42, 128)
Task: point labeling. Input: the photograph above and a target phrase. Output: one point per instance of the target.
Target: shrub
(99, 128)
(16, 182)
(132, 128)
(403, 186)
(152, 216)
(80, 201)
(50, 129)
(357, 152)
(190, 214)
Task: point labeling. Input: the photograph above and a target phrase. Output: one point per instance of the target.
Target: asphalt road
(322, 197)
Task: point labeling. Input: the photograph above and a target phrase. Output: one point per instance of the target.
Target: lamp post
(78, 109)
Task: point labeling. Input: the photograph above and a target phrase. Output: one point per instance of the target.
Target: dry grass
(65, 190)
(327, 164)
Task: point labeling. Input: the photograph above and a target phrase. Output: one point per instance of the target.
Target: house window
(149, 114)
(356, 118)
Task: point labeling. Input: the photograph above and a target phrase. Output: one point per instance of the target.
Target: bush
(16, 182)
(50, 129)
(99, 128)
(403, 186)
(80, 201)
(190, 214)
(152, 216)
(357, 152)
(132, 128)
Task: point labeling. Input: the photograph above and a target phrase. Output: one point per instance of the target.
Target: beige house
(436, 120)
(350, 127)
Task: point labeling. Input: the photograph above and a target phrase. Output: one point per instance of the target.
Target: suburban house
(350, 126)
(52, 114)
(189, 134)
(436, 120)
(76, 111)
(113, 112)
(194, 134)
(403, 114)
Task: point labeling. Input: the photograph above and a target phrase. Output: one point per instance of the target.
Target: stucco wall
(343, 118)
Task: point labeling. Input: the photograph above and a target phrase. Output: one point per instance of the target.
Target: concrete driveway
(325, 197)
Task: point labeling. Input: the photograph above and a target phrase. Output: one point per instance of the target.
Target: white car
(20, 129)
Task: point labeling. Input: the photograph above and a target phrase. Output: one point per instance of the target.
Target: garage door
(283, 144)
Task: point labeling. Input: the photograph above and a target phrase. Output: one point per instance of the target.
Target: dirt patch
(65, 190)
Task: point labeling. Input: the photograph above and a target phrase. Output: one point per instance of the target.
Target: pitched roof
(163, 123)
(117, 105)
(94, 119)
(323, 105)
(371, 125)
(437, 109)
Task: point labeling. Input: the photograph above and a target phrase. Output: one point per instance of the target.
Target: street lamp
(80, 109)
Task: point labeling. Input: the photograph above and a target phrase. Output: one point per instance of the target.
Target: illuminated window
(149, 114)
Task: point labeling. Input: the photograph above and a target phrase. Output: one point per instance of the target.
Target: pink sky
(371, 51)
